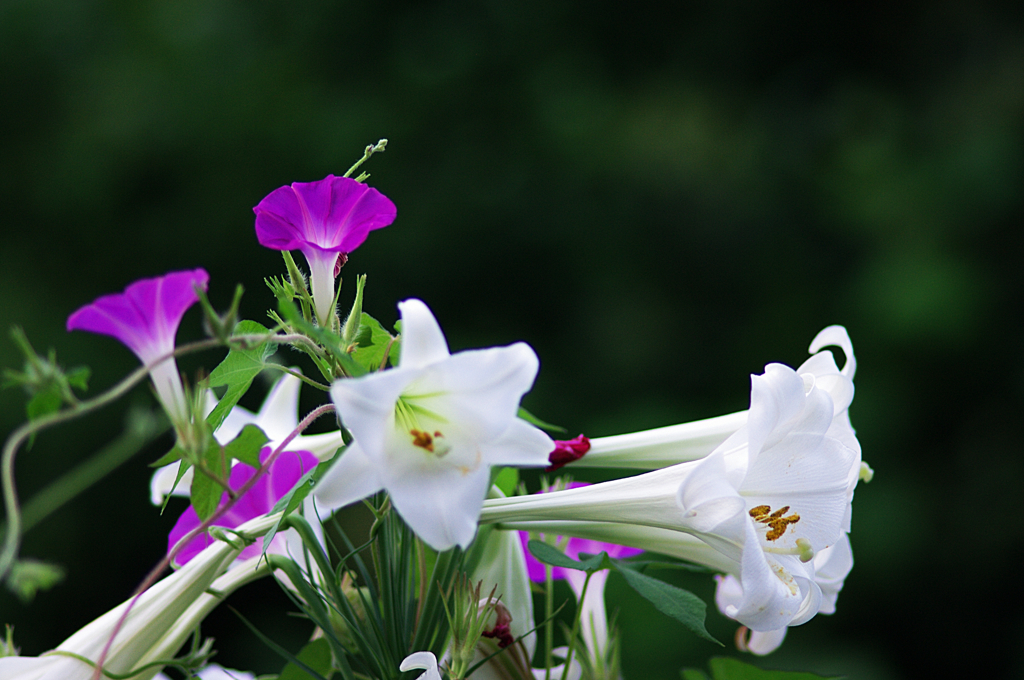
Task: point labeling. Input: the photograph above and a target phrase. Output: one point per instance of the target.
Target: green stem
(370, 150)
(549, 627)
(142, 429)
(575, 627)
(309, 381)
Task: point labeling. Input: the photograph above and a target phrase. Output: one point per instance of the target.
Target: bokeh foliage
(660, 199)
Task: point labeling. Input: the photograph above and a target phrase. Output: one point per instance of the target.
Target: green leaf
(693, 674)
(556, 558)
(27, 577)
(651, 565)
(316, 655)
(507, 480)
(177, 453)
(537, 422)
(681, 605)
(247, 445)
(733, 669)
(237, 371)
(293, 499)
(206, 493)
(372, 342)
(44, 402)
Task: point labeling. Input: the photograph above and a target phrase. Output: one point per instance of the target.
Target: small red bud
(567, 451)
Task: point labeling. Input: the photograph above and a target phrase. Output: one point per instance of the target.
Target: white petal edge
(350, 479)
(423, 342)
(425, 660)
(836, 335)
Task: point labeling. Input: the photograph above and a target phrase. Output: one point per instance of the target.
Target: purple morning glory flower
(145, 317)
(326, 220)
(259, 500)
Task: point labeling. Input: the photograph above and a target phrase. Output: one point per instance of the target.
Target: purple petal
(146, 315)
(259, 500)
(334, 214)
(575, 546)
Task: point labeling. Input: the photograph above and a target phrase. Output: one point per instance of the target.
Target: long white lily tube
(148, 623)
(649, 539)
(685, 442)
(168, 645)
(662, 446)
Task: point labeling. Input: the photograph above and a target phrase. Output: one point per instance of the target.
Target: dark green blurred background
(660, 200)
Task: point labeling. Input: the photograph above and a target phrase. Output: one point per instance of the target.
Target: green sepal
(247, 445)
(206, 492)
(216, 325)
(78, 377)
(681, 605)
(537, 422)
(239, 368)
(27, 577)
(298, 284)
(353, 323)
(723, 668)
(315, 655)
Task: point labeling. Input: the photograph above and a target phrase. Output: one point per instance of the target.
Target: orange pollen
(425, 440)
(776, 521)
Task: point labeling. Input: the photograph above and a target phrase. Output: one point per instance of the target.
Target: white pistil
(803, 549)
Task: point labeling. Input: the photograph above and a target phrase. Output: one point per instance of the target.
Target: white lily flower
(674, 444)
(429, 430)
(152, 616)
(277, 417)
(768, 498)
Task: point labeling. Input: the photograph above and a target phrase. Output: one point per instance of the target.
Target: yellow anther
(422, 439)
(433, 443)
(775, 521)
